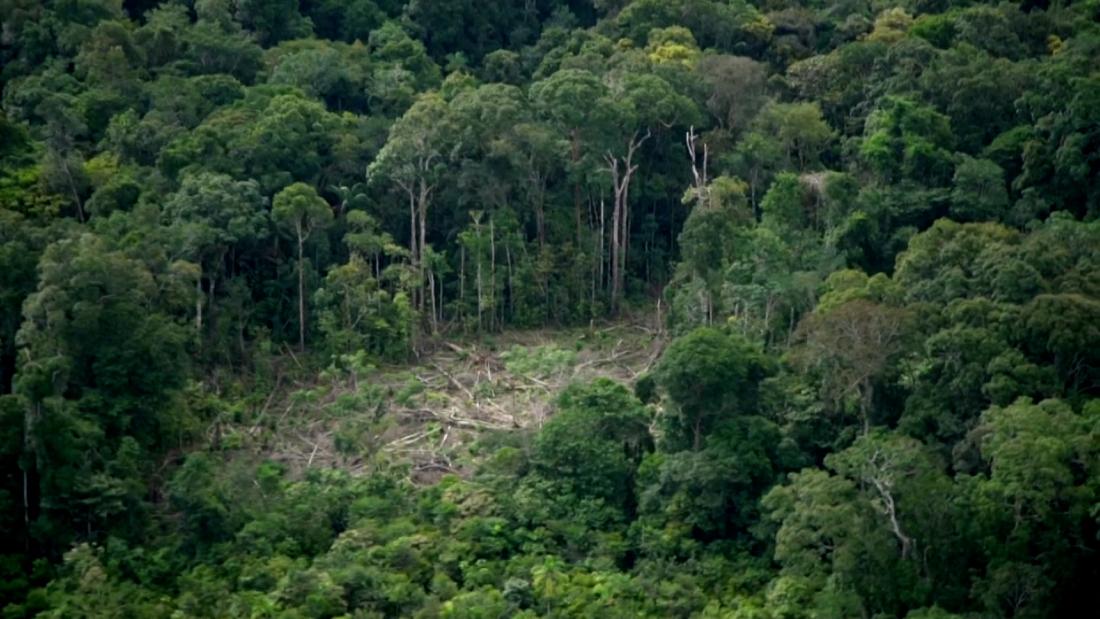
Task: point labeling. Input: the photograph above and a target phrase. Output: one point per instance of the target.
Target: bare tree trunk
(301, 293)
(575, 157)
(425, 192)
(199, 298)
(597, 263)
(431, 293)
(29, 447)
(866, 398)
(699, 176)
(493, 271)
(624, 237)
(462, 279)
(211, 316)
(480, 285)
(72, 188)
(889, 506)
(412, 240)
(539, 183)
(616, 243)
(511, 282)
(622, 172)
(602, 240)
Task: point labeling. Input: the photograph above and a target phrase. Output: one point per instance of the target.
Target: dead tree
(622, 170)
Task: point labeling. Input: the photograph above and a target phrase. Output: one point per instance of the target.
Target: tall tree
(211, 213)
(100, 362)
(299, 209)
(852, 346)
(709, 374)
(556, 100)
(640, 105)
(415, 160)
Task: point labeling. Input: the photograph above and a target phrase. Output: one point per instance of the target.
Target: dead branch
(454, 381)
(461, 422)
(455, 347)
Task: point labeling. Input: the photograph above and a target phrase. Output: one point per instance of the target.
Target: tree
(64, 163)
(555, 99)
(757, 157)
(736, 89)
(979, 193)
(593, 444)
(99, 366)
(798, 129)
(716, 223)
(940, 263)
(356, 313)
(712, 492)
(851, 347)
(272, 20)
(211, 214)
(298, 209)
(1064, 329)
(403, 69)
(291, 140)
(905, 139)
(782, 208)
(1036, 500)
(414, 159)
(821, 524)
(640, 104)
(535, 149)
(902, 477)
(321, 72)
(709, 374)
(20, 248)
(216, 45)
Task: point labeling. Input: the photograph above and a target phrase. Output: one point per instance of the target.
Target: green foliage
(541, 361)
(589, 450)
(979, 193)
(906, 140)
(875, 263)
(708, 375)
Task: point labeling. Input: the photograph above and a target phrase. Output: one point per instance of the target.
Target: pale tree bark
(492, 273)
(412, 225)
(199, 298)
(881, 478)
(419, 192)
(600, 244)
(575, 157)
(301, 288)
(424, 197)
(431, 294)
(698, 170)
(540, 209)
(72, 189)
(511, 281)
(622, 173)
(478, 284)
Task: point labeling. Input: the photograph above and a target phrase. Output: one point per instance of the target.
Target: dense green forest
(859, 237)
